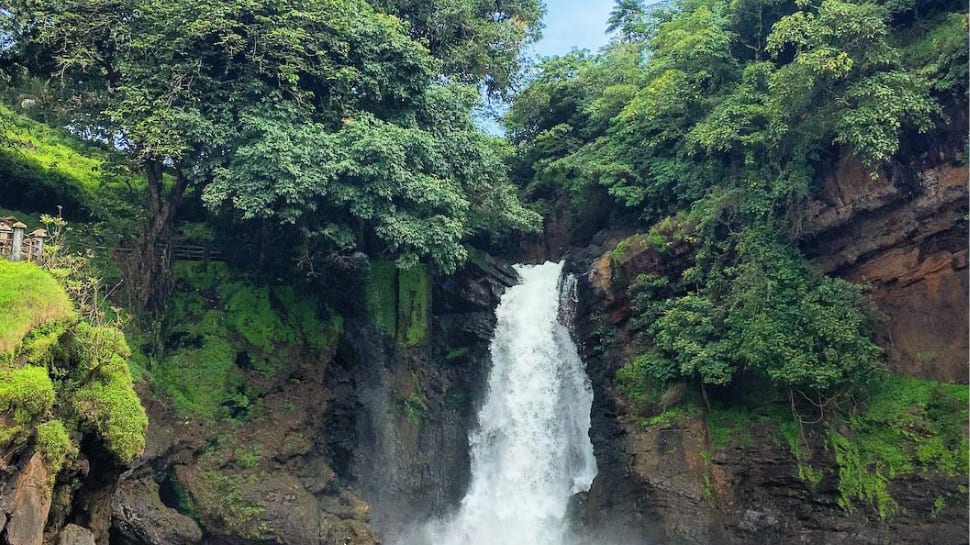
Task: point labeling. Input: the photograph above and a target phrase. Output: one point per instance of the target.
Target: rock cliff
(903, 233)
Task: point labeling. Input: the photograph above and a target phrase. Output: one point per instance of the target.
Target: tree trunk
(149, 268)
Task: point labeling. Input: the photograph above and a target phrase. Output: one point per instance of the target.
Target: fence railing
(18, 245)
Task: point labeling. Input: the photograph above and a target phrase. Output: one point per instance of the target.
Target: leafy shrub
(910, 424)
(769, 313)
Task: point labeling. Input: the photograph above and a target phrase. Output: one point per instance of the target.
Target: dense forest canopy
(717, 117)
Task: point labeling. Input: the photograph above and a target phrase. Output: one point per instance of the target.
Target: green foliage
(910, 425)
(345, 124)
(54, 443)
(45, 167)
(414, 305)
(769, 313)
(940, 54)
(672, 415)
(222, 496)
(29, 298)
(93, 390)
(718, 112)
(477, 41)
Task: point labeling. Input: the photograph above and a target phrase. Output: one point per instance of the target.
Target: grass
(29, 297)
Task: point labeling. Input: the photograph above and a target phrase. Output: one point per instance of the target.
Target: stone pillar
(16, 251)
(37, 248)
(6, 236)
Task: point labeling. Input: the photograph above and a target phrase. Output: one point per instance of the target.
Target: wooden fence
(190, 252)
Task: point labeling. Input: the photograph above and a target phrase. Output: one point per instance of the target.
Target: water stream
(531, 451)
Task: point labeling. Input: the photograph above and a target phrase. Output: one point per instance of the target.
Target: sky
(568, 24)
(573, 23)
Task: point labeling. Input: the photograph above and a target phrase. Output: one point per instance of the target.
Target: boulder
(30, 503)
(139, 515)
(72, 534)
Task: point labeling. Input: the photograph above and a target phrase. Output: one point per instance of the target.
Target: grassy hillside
(45, 167)
(29, 298)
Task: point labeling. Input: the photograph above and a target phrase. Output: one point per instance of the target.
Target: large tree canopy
(478, 41)
(326, 114)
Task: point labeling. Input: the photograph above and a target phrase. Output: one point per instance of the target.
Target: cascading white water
(531, 451)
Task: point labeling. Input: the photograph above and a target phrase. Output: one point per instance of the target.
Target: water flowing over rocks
(530, 451)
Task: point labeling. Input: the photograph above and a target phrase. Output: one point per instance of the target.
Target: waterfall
(531, 451)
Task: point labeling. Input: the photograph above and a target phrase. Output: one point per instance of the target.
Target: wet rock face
(72, 534)
(268, 480)
(408, 410)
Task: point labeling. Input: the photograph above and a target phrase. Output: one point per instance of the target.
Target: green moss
(305, 317)
(26, 393)
(196, 378)
(910, 425)
(224, 490)
(54, 443)
(111, 406)
(732, 426)
(29, 297)
(251, 315)
(415, 406)
(184, 502)
(225, 501)
(39, 346)
(381, 295)
(672, 415)
(414, 305)
(457, 353)
(228, 334)
(200, 275)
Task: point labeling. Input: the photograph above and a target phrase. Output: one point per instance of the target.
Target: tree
(627, 18)
(263, 100)
(478, 41)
